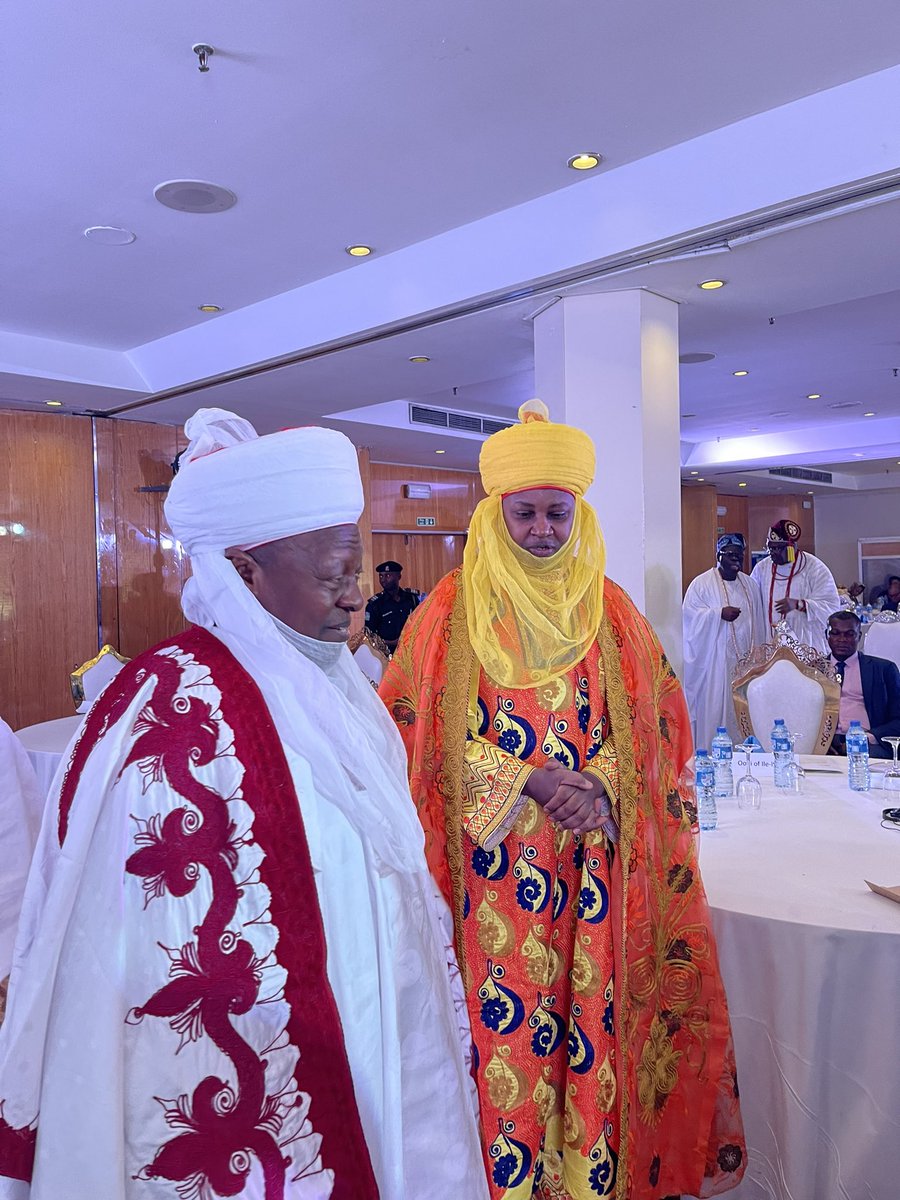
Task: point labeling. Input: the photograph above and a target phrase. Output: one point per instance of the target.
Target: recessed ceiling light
(586, 161)
(359, 251)
(857, 454)
(109, 235)
(814, 396)
(194, 196)
(695, 472)
(687, 416)
(701, 480)
(54, 403)
(742, 485)
(209, 308)
(711, 285)
(420, 358)
(740, 373)
(810, 493)
(754, 429)
(440, 452)
(869, 414)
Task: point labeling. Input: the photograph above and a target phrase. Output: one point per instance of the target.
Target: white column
(609, 364)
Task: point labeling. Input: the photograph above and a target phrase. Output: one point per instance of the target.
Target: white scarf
(335, 721)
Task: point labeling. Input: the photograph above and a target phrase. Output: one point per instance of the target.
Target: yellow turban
(537, 453)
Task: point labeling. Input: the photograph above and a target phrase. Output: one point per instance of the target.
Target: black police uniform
(386, 615)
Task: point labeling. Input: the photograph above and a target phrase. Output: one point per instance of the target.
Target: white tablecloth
(46, 743)
(811, 963)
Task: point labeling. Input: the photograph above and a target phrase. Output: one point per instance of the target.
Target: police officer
(387, 613)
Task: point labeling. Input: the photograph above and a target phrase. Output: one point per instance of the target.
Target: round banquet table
(811, 963)
(45, 745)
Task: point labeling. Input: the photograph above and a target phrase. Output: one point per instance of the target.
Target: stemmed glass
(892, 777)
(749, 789)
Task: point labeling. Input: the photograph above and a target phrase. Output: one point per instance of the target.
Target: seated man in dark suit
(870, 687)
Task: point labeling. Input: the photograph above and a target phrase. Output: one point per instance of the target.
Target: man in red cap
(796, 586)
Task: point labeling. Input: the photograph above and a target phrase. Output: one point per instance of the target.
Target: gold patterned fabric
(664, 1077)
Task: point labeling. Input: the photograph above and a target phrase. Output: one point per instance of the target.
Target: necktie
(839, 671)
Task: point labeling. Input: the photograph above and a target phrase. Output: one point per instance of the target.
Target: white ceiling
(391, 124)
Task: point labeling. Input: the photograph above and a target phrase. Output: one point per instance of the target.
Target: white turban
(237, 489)
(234, 488)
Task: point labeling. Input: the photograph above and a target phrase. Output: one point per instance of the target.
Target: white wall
(842, 519)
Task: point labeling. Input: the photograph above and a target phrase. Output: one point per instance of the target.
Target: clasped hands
(572, 800)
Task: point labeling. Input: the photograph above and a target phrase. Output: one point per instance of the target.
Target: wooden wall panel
(763, 511)
(368, 584)
(734, 520)
(105, 438)
(149, 562)
(454, 495)
(698, 531)
(425, 557)
(48, 562)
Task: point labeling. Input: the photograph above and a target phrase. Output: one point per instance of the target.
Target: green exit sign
(424, 522)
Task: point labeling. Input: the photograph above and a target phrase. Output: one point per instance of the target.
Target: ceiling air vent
(427, 416)
(443, 418)
(464, 421)
(802, 473)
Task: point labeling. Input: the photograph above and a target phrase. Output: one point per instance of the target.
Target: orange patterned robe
(603, 1051)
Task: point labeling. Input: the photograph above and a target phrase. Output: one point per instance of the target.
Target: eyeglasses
(890, 819)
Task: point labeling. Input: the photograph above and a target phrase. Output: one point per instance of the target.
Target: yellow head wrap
(532, 619)
(537, 453)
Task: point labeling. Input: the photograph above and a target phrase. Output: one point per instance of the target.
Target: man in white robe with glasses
(230, 977)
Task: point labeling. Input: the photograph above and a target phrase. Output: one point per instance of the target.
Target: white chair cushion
(784, 691)
(369, 663)
(883, 640)
(96, 678)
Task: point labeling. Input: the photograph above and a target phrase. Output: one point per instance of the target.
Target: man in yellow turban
(546, 735)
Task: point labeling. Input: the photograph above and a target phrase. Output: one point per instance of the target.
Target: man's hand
(553, 782)
(788, 604)
(571, 800)
(729, 613)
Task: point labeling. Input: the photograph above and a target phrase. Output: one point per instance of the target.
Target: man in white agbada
(723, 619)
(795, 586)
(230, 977)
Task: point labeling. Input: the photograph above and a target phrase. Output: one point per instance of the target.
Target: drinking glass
(892, 777)
(797, 774)
(749, 789)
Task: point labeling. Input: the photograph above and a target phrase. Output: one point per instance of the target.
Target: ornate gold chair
(371, 654)
(89, 680)
(786, 678)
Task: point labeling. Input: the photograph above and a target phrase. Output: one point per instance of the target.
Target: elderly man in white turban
(230, 977)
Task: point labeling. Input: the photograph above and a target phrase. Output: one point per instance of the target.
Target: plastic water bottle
(722, 752)
(782, 754)
(706, 791)
(857, 757)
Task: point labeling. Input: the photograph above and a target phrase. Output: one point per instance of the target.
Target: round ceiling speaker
(194, 196)
(690, 359)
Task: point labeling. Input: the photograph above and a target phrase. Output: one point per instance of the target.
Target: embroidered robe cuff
(605, 767)
(492, 786)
